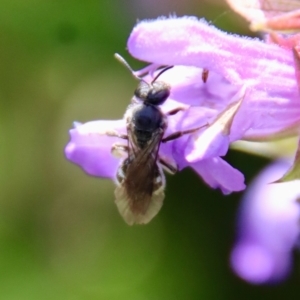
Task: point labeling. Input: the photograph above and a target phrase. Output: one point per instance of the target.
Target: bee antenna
(162, 71)
(125, 63)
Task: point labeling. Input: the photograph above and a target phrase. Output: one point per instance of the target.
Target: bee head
(155, 93)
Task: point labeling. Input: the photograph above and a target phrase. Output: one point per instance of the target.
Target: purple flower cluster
(268, 227)
(250, 94)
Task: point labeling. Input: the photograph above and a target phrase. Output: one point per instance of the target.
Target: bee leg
(175, 111)
(119, 150)
(172, 169)
(178, 134)
(116, 134)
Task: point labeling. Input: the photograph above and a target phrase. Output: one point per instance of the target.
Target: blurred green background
(61, 236)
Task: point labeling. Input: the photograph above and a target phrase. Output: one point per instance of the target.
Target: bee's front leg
(119, 150)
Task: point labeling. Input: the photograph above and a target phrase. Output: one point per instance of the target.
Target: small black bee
(140, 178)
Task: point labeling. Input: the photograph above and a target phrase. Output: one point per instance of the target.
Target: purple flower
(269, 220)
(266, 71)
(90, 146)
(250, 93)
(268, 227)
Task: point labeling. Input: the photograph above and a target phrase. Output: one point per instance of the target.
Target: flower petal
(262, 116)
(268, 227)
(254, 263)
(214, 141)
(217, 173)
(90, 147)
(268, 15)
(188, 87)
(192, 42)
(271, 104)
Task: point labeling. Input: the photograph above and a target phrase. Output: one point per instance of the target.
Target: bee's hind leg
(116, 134)
(168, 166)
(119, 150)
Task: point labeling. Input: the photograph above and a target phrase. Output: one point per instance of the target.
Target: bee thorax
(147, 118)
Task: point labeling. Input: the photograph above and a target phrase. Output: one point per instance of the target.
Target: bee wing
(132, 217)
(140, 196)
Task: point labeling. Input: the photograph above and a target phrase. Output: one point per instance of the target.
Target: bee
(140, 179)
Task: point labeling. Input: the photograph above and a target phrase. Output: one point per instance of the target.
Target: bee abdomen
(158, 182)
(121, 173)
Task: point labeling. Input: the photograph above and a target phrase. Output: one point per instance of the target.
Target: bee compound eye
(159, 93)
(142, 90)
